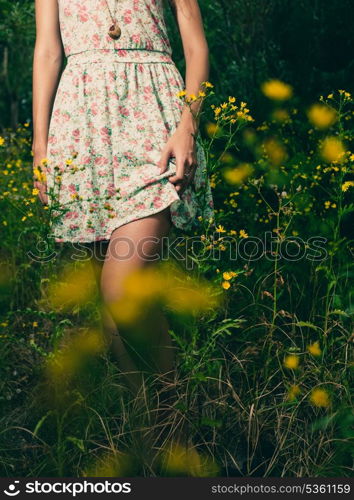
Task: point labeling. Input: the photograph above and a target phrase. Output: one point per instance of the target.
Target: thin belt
(119, 55)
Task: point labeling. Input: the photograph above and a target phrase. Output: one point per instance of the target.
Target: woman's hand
(39, 175)
(182, 146)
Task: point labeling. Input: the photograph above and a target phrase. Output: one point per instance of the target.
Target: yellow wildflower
(243, 233)
(220, 229)
(291, 362)
(347, 185)
(39, 175)
(2, 141)
(226, 285)
(314, 349)
(181, 93)
(293, 392)
(191, 97)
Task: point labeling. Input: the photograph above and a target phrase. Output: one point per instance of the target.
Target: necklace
(114, 30)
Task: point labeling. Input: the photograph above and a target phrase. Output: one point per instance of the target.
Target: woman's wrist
(188, 123)
(39, 148)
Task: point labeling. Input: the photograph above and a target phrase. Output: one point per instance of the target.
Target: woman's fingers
(178, 178)
(184, 173)
(163, 162)
(42, 194)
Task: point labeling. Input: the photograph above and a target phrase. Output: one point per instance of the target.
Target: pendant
(115, 31)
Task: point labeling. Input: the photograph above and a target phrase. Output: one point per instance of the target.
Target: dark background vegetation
(308, 43)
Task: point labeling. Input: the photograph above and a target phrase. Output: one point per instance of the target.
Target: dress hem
(108, 234)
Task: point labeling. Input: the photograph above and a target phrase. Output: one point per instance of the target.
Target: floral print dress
(115, 107)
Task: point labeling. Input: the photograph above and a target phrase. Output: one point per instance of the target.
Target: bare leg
(111, 271)
(132, 247)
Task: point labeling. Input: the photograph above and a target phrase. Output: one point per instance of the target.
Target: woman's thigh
(131, 247)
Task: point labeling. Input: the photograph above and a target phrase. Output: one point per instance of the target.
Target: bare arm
(182, 143)
(196, 52)
(47, 64)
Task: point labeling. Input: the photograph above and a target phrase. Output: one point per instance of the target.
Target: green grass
(248, 368)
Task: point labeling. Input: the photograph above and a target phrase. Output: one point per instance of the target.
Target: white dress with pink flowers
(115, 107)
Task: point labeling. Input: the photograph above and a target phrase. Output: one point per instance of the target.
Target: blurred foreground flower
(164, 285)
(67, 361)
(213, 130)
(332, 149)
(320, 398)
(277, 90)
(293, 392)
(75, 287)
(275, 151)
(322, 116)
(112, 465)
(239, 174)
(180, 460)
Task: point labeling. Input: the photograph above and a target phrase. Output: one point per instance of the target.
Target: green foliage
(263, 370)
(17, 33)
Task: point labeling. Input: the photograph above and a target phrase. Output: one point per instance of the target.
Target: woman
(122, 164)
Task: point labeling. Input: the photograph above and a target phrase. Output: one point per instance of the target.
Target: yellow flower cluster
(202, 94)
(39, 170)
(229, 112)
(346, 185)
(227, 277)
(330, 204)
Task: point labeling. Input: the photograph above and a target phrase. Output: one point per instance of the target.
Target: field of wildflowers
(260, 308)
